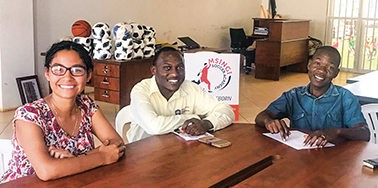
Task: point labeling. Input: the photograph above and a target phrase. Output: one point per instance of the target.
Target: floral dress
(40, 114)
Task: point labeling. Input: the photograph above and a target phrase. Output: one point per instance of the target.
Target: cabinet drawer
(104, 69)
(106, 82)
(107, 96)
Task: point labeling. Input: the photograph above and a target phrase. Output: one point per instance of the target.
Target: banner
(218, 74)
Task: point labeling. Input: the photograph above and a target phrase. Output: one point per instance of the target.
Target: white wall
(206, 21)
(16, 49)
(314, 10)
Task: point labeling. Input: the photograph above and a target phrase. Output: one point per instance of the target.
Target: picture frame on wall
(29, 89)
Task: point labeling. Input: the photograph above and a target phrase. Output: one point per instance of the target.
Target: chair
(123, 117)
(5, 154)
(239, 44)
(370, 112)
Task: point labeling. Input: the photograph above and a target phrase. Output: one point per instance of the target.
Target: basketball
(81, 28)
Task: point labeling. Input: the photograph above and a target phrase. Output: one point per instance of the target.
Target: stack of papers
(295, 140)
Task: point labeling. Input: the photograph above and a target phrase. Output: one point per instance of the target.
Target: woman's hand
(59, 153)
(112, 152)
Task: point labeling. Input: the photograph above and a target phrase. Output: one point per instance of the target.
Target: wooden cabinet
(285, 45)
(113, 79)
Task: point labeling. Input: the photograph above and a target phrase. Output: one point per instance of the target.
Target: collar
(331, 91)
(155, 89)
(153, 86)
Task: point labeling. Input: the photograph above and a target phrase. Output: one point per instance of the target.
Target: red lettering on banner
(228, 69)
(222, 63)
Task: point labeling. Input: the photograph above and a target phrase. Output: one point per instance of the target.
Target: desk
(287, 45)
(368, 77)
(217, 50)
(114, 79)
(169, 161)
(366, 92)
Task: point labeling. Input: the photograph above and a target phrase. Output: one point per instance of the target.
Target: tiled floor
(255, 95)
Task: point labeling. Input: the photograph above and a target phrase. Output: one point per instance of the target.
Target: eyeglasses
(60, 70)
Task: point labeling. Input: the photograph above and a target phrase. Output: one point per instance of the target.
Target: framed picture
(29, 88)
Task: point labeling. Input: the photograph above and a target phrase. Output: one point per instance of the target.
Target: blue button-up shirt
(337, 107)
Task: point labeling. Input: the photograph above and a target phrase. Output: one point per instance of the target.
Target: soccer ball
(123, 55)
(101, 30)
(101, 54)
(127, 44)
(153, 32)
(137, 31)
(138, 44)
(138, 53)
(85, 41)
(103, 44)
(148, 52)
(151, 29)
(150, 42)
(122, 30)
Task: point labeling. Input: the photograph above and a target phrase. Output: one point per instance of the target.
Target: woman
(52, 136)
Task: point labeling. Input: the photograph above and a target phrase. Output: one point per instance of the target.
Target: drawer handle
(105, 81)
(105, 69)
(105, 94)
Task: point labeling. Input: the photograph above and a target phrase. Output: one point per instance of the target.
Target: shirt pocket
(333, 119)
(299, 120)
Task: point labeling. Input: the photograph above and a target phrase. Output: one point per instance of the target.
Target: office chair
(239, 44)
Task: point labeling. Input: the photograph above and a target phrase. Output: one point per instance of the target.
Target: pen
(285, 136)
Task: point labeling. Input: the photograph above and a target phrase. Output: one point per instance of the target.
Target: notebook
(190, 43)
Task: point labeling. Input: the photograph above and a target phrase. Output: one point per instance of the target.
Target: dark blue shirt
(337, 107)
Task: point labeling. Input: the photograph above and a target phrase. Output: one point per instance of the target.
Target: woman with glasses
(53, 135)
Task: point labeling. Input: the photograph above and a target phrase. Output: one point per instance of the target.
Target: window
(352, 28)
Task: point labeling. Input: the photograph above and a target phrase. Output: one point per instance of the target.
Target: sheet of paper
(188, 137)
(295, 140)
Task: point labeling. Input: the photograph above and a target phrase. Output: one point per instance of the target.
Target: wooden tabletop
(169, 161)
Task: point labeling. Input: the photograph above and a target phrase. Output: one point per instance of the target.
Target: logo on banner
(215, 75)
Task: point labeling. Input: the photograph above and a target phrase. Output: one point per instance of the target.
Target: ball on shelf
(123, 55)
(148, 52)
(138, 44)
(85, 41)
(138, 31)
(81, 28)
(104, 44)
(138, 53)
(122, 30)
(128, 44)
(101, 54)
(101, 30)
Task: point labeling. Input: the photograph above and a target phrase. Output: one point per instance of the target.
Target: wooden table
(169, 161)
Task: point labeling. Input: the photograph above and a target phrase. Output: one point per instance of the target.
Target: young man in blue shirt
(328, 112)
